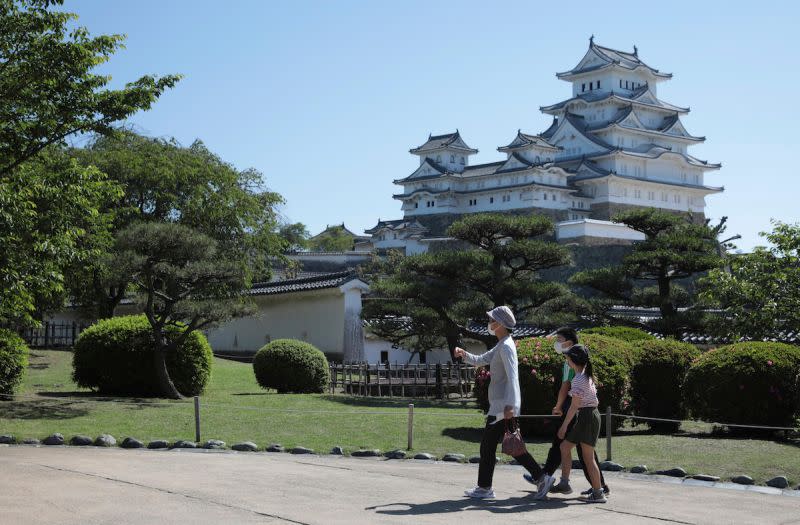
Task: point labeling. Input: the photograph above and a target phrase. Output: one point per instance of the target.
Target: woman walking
(587, 424)
(504, 404)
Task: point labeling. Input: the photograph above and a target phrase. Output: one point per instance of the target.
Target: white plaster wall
(373, 347)
(595, 228)
(315, 317)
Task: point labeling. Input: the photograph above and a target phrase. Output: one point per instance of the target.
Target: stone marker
(80, 441)
(742, 480)
(246, 446)
(105, 440)
(130, 442)
(54, 439)
(779, 482)
(676, 472)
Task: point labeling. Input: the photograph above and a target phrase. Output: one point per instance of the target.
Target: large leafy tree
(437, 294)
(675, 248)
(163, 181)
(184, 280)
(759, 292)
(49, 92)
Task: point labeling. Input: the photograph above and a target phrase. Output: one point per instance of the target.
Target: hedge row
(744, 383)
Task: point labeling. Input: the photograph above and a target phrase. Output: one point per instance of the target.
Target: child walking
(587, 422)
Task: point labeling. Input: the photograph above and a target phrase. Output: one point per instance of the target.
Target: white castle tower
(612, 146)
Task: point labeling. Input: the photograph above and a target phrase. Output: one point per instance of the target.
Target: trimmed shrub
(116, 356)
(13, 361)
(747, 383)
(288, 365)
(540, 369)
(657, 380)
(624, 333)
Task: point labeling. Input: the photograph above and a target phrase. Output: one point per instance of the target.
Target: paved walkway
(98, 486)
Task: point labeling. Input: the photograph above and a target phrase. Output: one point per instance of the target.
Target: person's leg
(591, 467)
(566, 458)
(554, 454)
(602, 478)
(530, 464)
(491, 436)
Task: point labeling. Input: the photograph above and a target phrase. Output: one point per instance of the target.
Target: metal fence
(52, 335)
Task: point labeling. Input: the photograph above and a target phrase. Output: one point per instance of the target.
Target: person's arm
(573, 409)
(476, 360)
(512, 396)
(562, 396)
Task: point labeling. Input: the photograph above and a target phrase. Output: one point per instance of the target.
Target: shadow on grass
(505, 506)
(124, 402)
(42, 409)
(39, 366)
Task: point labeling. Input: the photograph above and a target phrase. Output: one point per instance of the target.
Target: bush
(115, 356)
(13, 361)
(657, 380)
(540, 369)
(624, 333)
(294, 366)
(746, 383)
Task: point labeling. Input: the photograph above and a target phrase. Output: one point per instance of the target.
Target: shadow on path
(506, 506)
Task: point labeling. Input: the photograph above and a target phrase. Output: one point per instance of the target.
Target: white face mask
(559, 347)
(489, 328)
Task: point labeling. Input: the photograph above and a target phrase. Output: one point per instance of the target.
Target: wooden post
(608, 433)
(410, 426)
(439, 382)
(389, 377)
(197, 419)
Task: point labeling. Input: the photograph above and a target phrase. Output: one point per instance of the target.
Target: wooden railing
(404, 380)
(52, 335)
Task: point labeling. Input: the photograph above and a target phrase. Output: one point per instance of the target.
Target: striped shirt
(584, 388)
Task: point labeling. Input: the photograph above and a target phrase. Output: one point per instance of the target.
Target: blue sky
(326, 98)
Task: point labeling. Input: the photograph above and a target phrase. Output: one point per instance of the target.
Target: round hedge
(746, 383)
(657, 380)
(288, 365)
(540, 369)
(13, 361)
(624, 333)
(116, 356)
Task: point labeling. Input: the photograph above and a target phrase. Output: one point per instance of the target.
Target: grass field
(235, 409)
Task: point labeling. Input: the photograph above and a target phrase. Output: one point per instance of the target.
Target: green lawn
(235, 409)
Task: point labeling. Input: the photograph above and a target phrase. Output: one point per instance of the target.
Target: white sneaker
(480, 493)
(544, 486)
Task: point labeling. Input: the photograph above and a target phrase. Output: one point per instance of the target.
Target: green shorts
(586, 428)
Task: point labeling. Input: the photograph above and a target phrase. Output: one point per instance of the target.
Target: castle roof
(600, 57)
(440, 142)
(523, 140)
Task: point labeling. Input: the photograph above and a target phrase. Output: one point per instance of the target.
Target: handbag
(513, 445)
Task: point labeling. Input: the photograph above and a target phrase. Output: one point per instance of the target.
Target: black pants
(492, 435)
(554, 454)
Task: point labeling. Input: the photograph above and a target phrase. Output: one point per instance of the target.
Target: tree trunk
(165, 385)
(668, 310)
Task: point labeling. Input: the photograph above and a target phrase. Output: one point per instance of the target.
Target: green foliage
(760, 292)
(746, 383)
(440, 291)
(167, 182)
(50, 91)
(116, 356)
(13, 361)
(184, 280)
(657, 380)
(625, 333)
(612, 360)
(291, 366)
(540, 368)
(333, 239)
(674, 248)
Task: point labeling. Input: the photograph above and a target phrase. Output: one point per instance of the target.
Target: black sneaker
(594, 497)
(561, 488)
(588, 492)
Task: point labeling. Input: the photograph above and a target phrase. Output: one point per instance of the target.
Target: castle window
(506, 198)
(453, 159)
(598, 84)
(554, 196)
(462, 160)
(626, 84)
(545, 196)
(583, 88)
(620, 82)
(491, 200)
(416, 205)
(438, 158)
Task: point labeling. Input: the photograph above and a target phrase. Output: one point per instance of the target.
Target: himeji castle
(613, 145)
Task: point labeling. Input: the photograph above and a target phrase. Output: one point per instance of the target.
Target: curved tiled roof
(614, 57)
(523, 140)
(317, 282)
(449, 140)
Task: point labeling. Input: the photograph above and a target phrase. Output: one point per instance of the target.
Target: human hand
(562, 432)
(459, 352)
(557, 411)
(508, 412)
